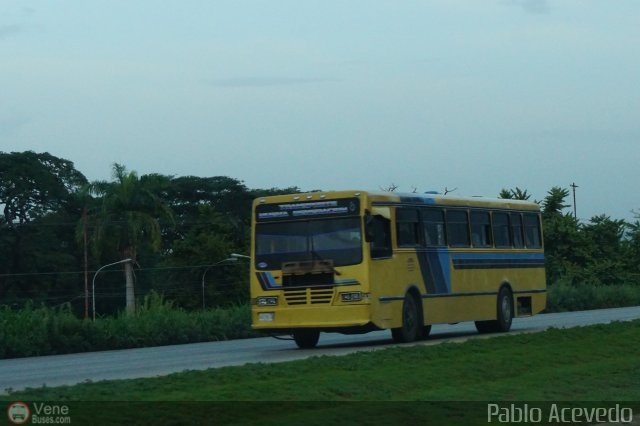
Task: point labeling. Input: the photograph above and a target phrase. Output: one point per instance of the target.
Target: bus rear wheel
(306, 338)
(412, 328)
(504, 314)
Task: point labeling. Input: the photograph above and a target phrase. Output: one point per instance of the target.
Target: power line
(160, 268)
(35, 223)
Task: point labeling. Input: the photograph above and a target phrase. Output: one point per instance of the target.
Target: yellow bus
(357, 261)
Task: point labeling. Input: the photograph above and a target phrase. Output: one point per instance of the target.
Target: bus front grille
(309, 296)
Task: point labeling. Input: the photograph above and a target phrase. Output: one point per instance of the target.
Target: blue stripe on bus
(266, 280)
(435, 265)
(497, 260)
(436, 274)
(350, 281)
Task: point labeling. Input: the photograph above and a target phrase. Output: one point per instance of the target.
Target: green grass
(595, 363)
(589, 363)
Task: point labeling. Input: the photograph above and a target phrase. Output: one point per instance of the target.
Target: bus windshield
(339, 240)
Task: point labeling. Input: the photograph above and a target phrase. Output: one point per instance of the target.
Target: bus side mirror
(368, 227)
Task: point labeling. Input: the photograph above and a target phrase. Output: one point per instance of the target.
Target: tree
(213, 219)
(204, 243)
(608, 252)
(633, 247)
(565, 246)
(32, 185)
(228, 196)
(37, 193)
(554, 202)
(514, 194)
(127, 220)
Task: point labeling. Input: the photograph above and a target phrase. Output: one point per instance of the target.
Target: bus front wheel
(411, 328)
(306, 338)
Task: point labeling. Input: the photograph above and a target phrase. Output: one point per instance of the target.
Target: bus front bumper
(325, 317)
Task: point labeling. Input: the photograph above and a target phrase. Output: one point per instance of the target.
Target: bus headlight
(352, 296)
(267, 301)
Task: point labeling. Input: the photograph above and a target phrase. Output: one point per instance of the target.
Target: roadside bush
(562, 296)
(39, 330)
(34, 331)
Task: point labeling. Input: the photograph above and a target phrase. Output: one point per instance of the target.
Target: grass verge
(596, 363)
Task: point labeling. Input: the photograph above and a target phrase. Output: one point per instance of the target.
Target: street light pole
(240, 256)
(229, 259)
(93, 282)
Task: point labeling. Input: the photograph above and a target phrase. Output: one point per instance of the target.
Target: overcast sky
(427, 95)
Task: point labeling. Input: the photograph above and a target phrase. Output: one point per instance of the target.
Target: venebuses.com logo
(18, 413)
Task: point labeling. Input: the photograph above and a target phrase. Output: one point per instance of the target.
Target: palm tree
(127, 219)
(514, 194)
(554, 202)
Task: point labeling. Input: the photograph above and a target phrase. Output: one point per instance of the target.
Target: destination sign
(308, 209)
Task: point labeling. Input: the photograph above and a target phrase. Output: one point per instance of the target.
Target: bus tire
(504, 313)
(306, 338)
(412, 328)
(505, 310)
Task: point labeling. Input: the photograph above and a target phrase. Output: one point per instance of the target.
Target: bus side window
(532, 231)
(516, 230)
(458, 228)
(481, 229)
(380, 237)
(407, 227)
(433, 223)
(501, 234)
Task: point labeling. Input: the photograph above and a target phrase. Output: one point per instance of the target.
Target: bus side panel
(386, 312)
(443, 310)
(474, 291)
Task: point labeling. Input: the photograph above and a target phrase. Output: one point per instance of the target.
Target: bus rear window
(532, 231)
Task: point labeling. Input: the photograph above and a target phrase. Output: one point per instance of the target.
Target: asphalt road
(70, 369)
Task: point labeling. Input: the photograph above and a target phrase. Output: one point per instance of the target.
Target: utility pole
(86, 264)
(574, 186)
